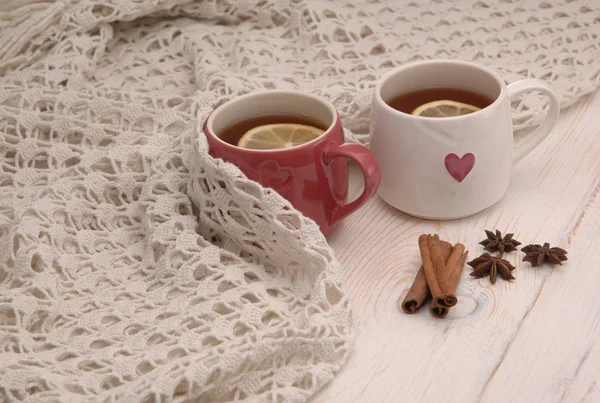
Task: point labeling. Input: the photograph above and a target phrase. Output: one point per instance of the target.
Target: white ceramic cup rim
(240, 103)
(427, 63)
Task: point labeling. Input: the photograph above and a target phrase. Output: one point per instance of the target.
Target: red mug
(313, 176)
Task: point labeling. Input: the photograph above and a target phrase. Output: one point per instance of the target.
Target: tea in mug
(440, 102)
(273, 131)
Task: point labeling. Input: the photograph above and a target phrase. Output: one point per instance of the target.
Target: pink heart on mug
(458, 167)
(273, 176)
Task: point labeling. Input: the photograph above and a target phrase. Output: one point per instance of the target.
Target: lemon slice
(280, 135)
(444, 109)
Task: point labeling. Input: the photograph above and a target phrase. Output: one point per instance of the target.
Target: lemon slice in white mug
(444, 109)
(278, 136)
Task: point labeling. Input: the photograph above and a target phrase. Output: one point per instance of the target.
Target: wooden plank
(400, 357)
(557, 347)
(584, 387)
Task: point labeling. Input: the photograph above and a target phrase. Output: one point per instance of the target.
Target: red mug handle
(370, 168)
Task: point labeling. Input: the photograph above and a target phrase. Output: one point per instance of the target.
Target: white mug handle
(533, 139)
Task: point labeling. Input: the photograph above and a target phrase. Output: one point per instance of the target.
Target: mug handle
(368, 165)
(534, 139)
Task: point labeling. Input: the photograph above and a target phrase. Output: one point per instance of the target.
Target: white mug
(451, 167)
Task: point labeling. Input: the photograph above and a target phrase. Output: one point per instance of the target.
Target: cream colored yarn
(134, 267)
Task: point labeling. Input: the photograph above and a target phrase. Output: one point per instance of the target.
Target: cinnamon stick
(439, 310)
(449, 280)
(437, 267)
(419, 291)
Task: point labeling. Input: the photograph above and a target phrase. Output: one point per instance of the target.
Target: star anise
(498, 243)
(538, 254)
(493, 266)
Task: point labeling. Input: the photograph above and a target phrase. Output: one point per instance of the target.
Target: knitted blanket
(136, 268)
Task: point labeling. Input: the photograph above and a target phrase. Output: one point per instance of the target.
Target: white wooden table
(535, 339)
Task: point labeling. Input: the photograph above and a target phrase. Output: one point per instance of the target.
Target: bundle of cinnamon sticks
(438, 276)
